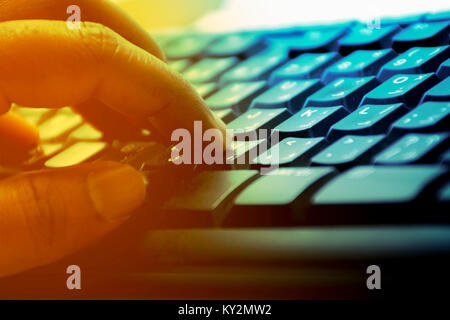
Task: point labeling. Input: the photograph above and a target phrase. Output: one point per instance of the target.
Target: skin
(110, 66)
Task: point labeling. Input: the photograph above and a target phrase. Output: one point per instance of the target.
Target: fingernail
(116, 192)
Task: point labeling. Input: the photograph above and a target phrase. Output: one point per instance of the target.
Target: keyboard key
(188, 46)
(348, 150)
(76, 154)
(236, 96)
(253, 69)
(415, 61)
(306, 66)
(413, 148)
(205, 89)
(245, 152)
(61, 123)
(290, 94)
(179, 65)
(444, 193)
(202, 202)
(272, 200)
(438, 16)
(311, 122)
(241, 45)
(366, 120)
(256, 119)
(86, 132)
(315, 41)
(291, 152)
(360, 63)
(379, 194)
(445, 157)
(427, 117)
(440, 92)
(345, 91)
(422, 34)
(444, 70)
(401, 88)
(363, 37)
(209, 70)
(226, 115)
(402, 21)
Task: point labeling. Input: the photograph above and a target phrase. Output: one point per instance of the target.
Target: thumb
(45, 215)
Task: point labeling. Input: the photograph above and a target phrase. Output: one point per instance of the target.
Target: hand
(109, 65)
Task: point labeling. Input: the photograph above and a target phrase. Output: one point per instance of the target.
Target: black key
(422, 34)
(205, 89)
(209, 70)
(437, 16)
(347, 92)
(402, 21)
(242, 45)
(440, 92)
(413, 148)
(315, 41)
(201, 202)
(444, 193)
(427, 117)
(361, 63)
(348, 151)
(366, 120)
(311, 122)
(444, 69)
(407, 89)
(415, 61)
(226, 115)
(377, 195)
(364, 37)
(273, 199)
(179, 65)
(290, 94)
(188, 46)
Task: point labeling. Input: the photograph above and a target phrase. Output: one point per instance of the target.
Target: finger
(101, 11)
(67, 67)
(46, 215)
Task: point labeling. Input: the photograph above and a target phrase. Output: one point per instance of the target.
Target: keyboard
(363, 117)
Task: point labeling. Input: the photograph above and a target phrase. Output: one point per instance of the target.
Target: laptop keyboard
(363, 115)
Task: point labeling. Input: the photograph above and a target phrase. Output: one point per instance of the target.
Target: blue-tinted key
(440, 92)
(413, 148)
(226, 115)
(315, 41)
(402, 21)
(363, 37)
(360, 63)
(188, 46)
(306, 66)
(401, 88)
(209, 70)
(347, 92)
(291, 151)
(179, 65)
(290, 94)
(427, 117)
(422, 34)
(415, 61)
(241, 45)
(348, 150)
(311, 122)
(438, 16)
(368, 119)
(256, 119)
(237, 96)
(205, 89)
(444, 69)
(255, 68)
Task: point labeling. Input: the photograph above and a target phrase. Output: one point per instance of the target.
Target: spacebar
(294, 246)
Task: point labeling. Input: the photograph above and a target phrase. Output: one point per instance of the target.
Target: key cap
(383, 194)
(444, 70)
(422, 34)
(291, 152)
(437, 16)
(348, 150)
(360, 63)
(86, 132)
(209, 70)
(255, 68)
(58, 125)
(245, 152)
(415, 61)
(242, 45)
(188, 46)
(445, 158)
(226, 115)
(315, 41)
(440, 92)
(364, 37)
(427, 117)
(33, 115)
(306, 66)
(413, 148)
(401, 88)
(345, 91)
(76, 154)
(444, 193)
(202, 202)
(290, 94)
(367, 120)
(179, 65)
(272, 200)
(402, 21)
(236, 96)
(256, 119)
(205, 89)
(311, 122)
